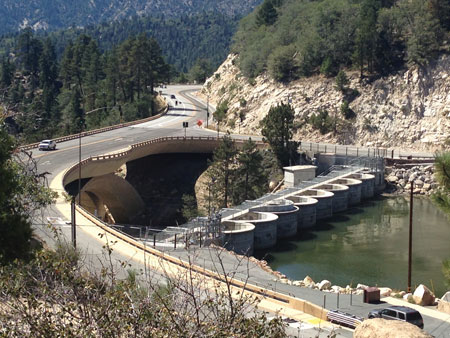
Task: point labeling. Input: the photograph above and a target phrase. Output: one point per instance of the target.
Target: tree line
(291, 38)
(50, 97)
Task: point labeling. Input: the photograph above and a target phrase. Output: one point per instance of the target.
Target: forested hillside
(44, 97)
(293, 38)
(58, 14)
(184, 39)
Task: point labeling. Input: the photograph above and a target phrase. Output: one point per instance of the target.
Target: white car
(47, 145)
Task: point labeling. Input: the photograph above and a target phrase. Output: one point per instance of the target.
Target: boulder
(298, 283)
(446, 297)
(407, 295)
(361, 286)
(385, 292)
(336, 289)
(443, 306)
(423, 296)
(382, 328)
(392, 179)
(308, 281)
(324, 285)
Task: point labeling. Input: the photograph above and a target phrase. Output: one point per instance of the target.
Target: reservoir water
(369, 245)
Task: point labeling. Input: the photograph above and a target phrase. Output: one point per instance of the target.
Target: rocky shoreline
(400, 177)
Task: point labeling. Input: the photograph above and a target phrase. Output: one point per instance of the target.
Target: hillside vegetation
(44, 97)
(294, 38)
(210, 33)
(59, 14)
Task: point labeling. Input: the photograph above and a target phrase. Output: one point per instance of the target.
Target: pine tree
(267, 14)
(77, 122)
(221, 172)
(251, 179)
(277, 128)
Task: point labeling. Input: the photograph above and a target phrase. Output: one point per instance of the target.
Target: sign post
(185, 125)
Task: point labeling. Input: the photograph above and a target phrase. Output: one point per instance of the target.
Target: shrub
(321, 121)
(346, 111)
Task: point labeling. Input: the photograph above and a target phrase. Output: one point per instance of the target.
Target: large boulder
(385, 292)
(308, 281)
(324, 285)
(382, 328)
(423, 296)
(446, 297)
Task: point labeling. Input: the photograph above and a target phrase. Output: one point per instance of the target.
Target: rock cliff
(409, 109)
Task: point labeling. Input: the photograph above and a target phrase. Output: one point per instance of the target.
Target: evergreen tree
(277, 128)
(221, 172)
(341, 81)
(266, 14)
(442, 169)
(251, 179)
(201, 70)
(6, 73)
(21, 193)
(77, 123)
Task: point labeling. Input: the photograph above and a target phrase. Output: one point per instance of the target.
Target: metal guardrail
(100, 130)
(343, 318)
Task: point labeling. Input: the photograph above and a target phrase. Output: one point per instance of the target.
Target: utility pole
(73, 222)
(410, 236)
(207, 110)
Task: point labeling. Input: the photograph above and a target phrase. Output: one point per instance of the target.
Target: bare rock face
(408, 109)
(382, 328)
(423, 296)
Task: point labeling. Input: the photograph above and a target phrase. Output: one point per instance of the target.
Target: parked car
(403, 313)
(47, 145)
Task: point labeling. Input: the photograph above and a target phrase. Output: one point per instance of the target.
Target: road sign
(199, 123)
(185, 124)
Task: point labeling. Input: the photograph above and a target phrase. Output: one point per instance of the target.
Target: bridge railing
(161, 112)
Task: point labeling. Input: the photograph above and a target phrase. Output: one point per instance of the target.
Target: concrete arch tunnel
(111, 198)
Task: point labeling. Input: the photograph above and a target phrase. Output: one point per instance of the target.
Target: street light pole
(82, 123)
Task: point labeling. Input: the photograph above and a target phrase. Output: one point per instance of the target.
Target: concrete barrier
(306, 216)
(354, 189)
(239, 237)
(324, 206)
(287, 216)
(367, 186)
(265, 228)
(340, 198)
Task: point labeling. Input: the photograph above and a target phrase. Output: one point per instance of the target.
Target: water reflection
(369, 244)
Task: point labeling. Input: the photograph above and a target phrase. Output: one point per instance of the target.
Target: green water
(369, 245)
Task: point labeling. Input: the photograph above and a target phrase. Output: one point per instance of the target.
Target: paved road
(191, 110)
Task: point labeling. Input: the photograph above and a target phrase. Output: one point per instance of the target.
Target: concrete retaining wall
(354, 189)
(287, 216)
(239, 237)
(265, 228)
(340, 198)
(324, 206)
(306, 216)
(367, 186)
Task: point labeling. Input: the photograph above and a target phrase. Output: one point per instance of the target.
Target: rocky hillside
(409, 109)
(51, 15)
